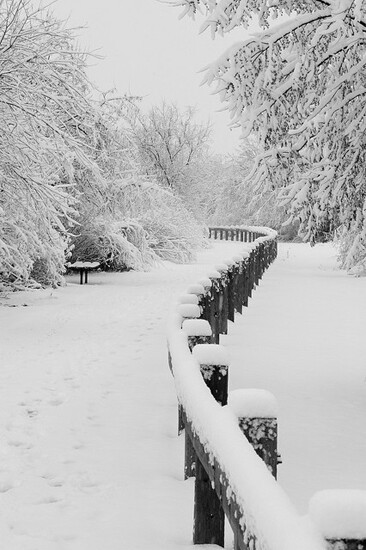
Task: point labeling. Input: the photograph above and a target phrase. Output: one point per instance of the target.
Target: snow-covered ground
(89, 456)
(303, 339)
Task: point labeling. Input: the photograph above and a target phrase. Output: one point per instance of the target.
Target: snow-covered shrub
(117, 245)
(31, 249)
(142, 223)
(173, 232)
(47, 271)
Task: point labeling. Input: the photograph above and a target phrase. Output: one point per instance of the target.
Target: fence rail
(231, 438)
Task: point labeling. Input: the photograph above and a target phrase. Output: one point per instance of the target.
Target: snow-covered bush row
(147, 224)
(266, 510)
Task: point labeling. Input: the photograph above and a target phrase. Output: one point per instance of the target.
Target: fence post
(256, 411)
(198, 332)
(199, 292)
(214, 306)
(251, 272)
(231, 289)
(214, 365)
(257, 416)
(236, 286)
(223, 297)
(204, 300)
(340, 516)
(244, 280)
(209, 518)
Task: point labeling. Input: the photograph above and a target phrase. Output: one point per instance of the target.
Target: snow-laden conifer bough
(217, 453)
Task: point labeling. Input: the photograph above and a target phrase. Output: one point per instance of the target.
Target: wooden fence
(231, 439)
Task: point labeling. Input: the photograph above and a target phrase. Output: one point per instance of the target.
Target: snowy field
(303, 339)
(89, 456)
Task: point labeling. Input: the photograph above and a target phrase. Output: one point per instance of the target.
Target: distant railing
(231, 439)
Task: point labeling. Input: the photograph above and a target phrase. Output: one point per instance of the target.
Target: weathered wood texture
(262, 435)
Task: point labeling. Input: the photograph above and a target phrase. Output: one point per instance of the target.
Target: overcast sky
(148, 51)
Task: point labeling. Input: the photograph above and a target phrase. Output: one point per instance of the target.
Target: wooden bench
(83, 268)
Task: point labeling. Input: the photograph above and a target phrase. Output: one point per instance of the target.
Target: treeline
(297, 85)
(77, 180)
(96, 179)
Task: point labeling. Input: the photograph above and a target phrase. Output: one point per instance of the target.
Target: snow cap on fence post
(197, 289)
(340, 516)
(189, 311)
(198, 332)
(214, 274)
(206, 283)
(257, 411)
(222, 268)
(188, 299)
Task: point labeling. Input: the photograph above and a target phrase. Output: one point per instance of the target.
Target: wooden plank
(222, 488)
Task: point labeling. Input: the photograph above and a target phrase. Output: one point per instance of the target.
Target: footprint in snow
(55, 401)
(85, 481)
(50, 499)
(15, 442)
(55, 483)
(7, 484)
(79, 446)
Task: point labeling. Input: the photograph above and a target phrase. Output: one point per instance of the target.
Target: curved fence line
(231, 439)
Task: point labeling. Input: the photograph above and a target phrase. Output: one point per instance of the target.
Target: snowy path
(89, 457)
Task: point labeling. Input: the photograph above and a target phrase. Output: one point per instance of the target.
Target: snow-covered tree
(233, 198)
(44, 113)
(169, 142)
(126, 219)
(300, 85)
(70, 175)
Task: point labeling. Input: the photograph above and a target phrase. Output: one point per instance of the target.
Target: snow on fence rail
(231, 438)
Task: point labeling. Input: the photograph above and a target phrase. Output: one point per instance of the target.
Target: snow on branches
(43, 119)
(299, 84)
(70, 172)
